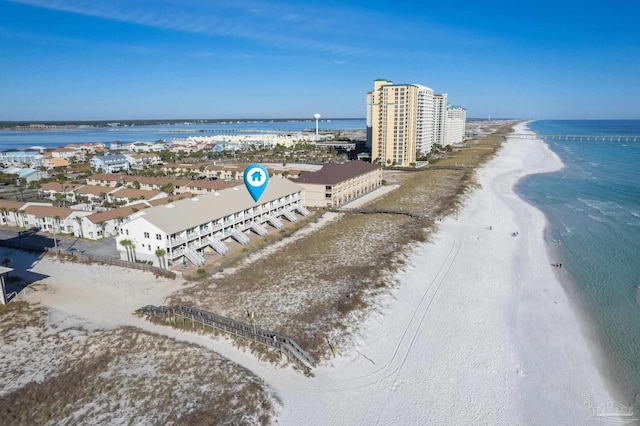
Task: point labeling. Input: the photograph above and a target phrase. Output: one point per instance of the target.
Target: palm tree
(133, 251)
(79, 220)
(58, 196)
(127, 244)
(160, 254)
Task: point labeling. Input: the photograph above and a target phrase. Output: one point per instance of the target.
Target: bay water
(12, 139)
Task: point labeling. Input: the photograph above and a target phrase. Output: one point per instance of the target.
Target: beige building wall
(322, 195)
(394, 123)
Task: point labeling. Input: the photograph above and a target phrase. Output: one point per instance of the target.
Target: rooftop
(331, 174)
(206, 207)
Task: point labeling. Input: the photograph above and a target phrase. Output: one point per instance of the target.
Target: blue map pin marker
(256, 178)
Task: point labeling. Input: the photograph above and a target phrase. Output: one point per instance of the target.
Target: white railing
(239, 237)
(195, 257)
(301, 209)
(259, 229)
(177, 253)
(277, 223)
(291, 217)
(218, 245)
(177, 240)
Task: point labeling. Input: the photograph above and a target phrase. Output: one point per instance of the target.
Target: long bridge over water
(578, 137)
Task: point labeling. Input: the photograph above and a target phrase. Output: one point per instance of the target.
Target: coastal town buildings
(142, 160)
(337, 184)
(109, 163)
(187, 230)
(63, 153)
(92, 224)
(29, 157)
(405, 121)
(52, 162)
(24, 174)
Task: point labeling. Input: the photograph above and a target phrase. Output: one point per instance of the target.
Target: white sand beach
(479, 330)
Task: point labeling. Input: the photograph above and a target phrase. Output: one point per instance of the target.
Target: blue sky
(134, 59)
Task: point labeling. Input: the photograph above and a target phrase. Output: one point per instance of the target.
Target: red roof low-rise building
(337, 184)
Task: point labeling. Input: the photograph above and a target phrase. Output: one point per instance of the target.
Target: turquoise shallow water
(593, 207)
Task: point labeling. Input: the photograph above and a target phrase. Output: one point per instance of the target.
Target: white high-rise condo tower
(317, 117)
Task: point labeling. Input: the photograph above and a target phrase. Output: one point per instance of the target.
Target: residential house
(110, 179)
(25, 174)
(29, 157)
(107, 223)
(63, 153)
(51, 219)
(140, 161)
(10, 214)
(203, 186)
(109, 163)
(51, 162)
(65, 190)
(128, 195)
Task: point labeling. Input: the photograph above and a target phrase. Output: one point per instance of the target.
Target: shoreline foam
(577, 301)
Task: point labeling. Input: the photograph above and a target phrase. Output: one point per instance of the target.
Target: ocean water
(10, 139)
(593, 207)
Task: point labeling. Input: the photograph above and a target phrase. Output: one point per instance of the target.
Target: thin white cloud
(211, 21)
(341, 32)
(60, 41)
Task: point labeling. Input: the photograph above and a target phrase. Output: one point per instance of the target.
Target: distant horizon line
(178, 120)
(241, 120)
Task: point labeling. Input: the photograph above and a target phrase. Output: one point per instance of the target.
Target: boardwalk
(194, 316)
(578, 137)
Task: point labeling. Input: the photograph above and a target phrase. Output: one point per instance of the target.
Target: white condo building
(439, 119)
(190, 228)
(456, 124)
(424, 120)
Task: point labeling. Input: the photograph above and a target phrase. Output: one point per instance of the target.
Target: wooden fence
(259, 335)
(379, 211)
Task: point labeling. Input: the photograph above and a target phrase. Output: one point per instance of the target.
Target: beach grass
(121, 376)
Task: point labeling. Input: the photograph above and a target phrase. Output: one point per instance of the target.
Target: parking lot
(105, 247)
